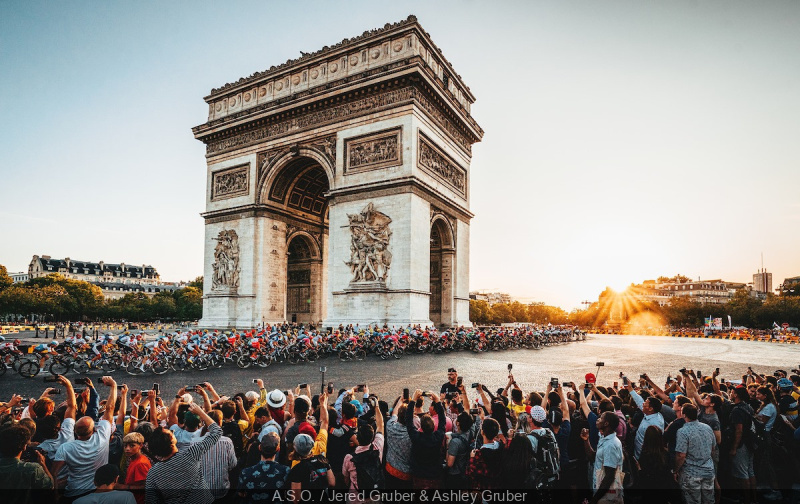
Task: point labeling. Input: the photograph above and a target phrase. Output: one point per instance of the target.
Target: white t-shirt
(184, 438)
(66, 434)
(83, 458)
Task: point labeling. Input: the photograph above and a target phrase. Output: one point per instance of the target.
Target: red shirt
(137, 473)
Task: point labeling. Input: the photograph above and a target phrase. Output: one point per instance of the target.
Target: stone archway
(294, 192)
(442, 265)
(303, 279)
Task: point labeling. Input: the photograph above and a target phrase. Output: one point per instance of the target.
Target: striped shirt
(180, 478)
(216, 463)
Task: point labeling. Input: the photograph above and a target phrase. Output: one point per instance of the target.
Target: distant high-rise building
(762, 281)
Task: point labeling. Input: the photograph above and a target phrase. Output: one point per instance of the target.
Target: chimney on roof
(46, 258)
(122, 266)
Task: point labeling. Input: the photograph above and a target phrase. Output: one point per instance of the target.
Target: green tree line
(613, 308)
(55, 298)
(481, 313)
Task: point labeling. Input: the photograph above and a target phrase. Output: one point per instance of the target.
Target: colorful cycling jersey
(77, 341)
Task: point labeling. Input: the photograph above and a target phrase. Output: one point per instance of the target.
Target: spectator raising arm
(151, 398)
(213, 393)
(108, 414)
(172, 418)
(72, 403)
(123, 404)
(206, 401)
(323, 411)
(93, 406)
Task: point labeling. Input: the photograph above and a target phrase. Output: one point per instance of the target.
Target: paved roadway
(632, 355)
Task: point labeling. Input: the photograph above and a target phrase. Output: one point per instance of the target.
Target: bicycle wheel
(134, 366)
(244, 361)
(160, 365)
(344, 355)
(201, 363)
(29, 369)
(60, 366)
(80, 366)
(361, 354)
(112, 363)
(180, 363)
(312, 356)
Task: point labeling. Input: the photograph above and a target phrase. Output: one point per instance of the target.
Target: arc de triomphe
(338, 188)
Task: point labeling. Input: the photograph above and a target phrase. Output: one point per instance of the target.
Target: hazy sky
(624, 139)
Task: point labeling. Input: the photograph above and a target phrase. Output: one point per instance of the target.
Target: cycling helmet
(2, 339)
(17, 342)
(54, 343)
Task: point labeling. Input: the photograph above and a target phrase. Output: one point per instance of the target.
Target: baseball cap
(555, 417)
(270, 443)
(357, 405)
(538, 414)
(276, 399)
(303, 444)
(785, 384)
(591, 378)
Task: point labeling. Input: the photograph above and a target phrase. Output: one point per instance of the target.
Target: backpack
(369, 473)
(339, 446)
(546, 463)
(318, 472)
(756, 436)
(232, 431)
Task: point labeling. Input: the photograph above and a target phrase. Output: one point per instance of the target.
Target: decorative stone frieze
(440, 165)
(374, 151)
(230, 182)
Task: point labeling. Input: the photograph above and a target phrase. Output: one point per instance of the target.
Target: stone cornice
(263, 210)
(397, 186)
(275, 123)
(376, 189)
(347, 45)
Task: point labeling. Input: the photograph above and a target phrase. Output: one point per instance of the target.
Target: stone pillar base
(376, 304)
(230, 310)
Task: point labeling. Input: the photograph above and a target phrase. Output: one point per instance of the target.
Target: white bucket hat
(276, 399)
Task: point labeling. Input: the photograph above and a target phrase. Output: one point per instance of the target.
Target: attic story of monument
(338, 187)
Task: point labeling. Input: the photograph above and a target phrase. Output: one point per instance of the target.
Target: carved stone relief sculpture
(226, 262)
(370, 257)
(373, 151)
(441, 166)
(231, 182)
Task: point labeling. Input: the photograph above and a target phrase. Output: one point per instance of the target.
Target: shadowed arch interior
(302, 186)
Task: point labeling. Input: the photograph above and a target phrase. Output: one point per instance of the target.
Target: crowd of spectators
(691, 440)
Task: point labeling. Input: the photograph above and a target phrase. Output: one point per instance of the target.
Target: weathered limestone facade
(338, 188)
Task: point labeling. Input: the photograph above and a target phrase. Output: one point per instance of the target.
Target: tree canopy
(56, 298)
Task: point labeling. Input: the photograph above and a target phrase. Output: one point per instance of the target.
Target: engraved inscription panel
(373, 151)
(230, 183)
(440, 165)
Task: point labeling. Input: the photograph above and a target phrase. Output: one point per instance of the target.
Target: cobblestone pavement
(632, 355)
